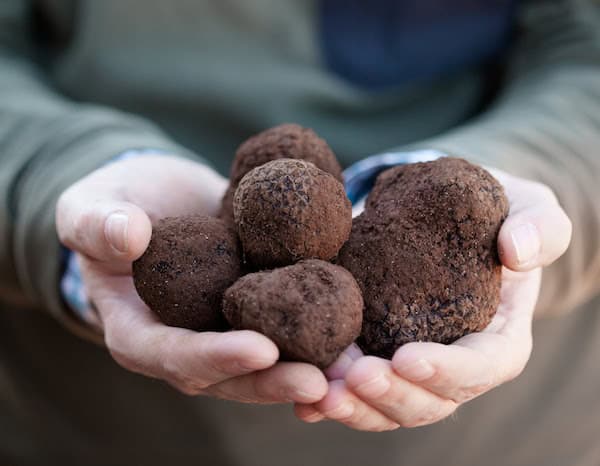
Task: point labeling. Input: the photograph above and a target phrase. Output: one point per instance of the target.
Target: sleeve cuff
(360, 177)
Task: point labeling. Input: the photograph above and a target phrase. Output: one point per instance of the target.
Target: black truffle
(188, 265)
(312, 310)
(287, 210)
(424, 254)
(288, 141)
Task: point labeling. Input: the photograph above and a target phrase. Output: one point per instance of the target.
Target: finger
(452, 372)
(480, 361)
(108, 231)
(190, 360)
(465, 369)
(375, 383)
(338, 369)
(283, 383)
(537, 230)
(343, 406)
(308, 413)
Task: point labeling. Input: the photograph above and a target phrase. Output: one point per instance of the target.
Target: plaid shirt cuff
(360, 177)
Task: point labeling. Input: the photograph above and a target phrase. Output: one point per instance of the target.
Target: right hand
(106, 219)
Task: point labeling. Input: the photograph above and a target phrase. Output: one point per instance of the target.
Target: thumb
(536, 232)
(108, 231)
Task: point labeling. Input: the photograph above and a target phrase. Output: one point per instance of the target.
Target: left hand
(426, 382)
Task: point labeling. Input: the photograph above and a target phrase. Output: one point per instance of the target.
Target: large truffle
(188, 265)
(288, 141)
(312, 310)
(424, 254)
(287, 210)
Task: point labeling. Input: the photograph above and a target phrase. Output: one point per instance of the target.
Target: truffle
(312, 310)
(424, 254)
(287, 210)
(188, 265)
(288, 141)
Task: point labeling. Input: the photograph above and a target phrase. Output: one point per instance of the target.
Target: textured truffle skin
(424, 254)
(288, 141)
(187, 267)
(287, 210)
(312, 310)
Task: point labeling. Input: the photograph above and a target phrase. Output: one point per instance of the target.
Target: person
(104, 107)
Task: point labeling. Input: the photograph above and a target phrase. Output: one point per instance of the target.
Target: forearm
(46, 144)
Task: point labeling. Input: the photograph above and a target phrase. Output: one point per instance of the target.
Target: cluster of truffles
(285, 207)
(285, 258)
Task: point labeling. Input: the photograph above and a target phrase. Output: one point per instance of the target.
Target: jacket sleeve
(545, 125)
(47, 143)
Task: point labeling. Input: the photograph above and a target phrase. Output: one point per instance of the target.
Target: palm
(234, 365)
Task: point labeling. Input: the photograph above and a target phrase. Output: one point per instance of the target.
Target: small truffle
(312, 310)
(287, 210)
(188, 265)
(289, 141)
(424, 254)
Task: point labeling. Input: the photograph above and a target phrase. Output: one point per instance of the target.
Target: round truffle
(424, 254)
(188, 265)
(287, 210)
(311, 310)
(289, 141)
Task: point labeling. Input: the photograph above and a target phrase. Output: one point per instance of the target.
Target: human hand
(426, 382)
(106, 218)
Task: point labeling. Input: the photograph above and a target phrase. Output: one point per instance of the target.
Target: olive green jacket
(82, 81)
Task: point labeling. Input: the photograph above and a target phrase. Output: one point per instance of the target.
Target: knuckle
(402, 398)
(119, 350)
(544, 191)
(413, 423)
(473, 391)
(187, 389)
(262, 388)
(514, 372)
(192, 383)
(568, 224)
(172, 368)
(124, 360)
(432, 415)
(81, 226)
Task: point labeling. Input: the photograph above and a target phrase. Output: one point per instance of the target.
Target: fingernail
(312, 418)
(344, 411)
(116, 231)
(417, 371)
(526, 241)
(377, 386)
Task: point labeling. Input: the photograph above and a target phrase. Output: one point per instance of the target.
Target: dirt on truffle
(424, 254)
(289, 141)
(312, 310)
(287, 210)
(188, 265)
